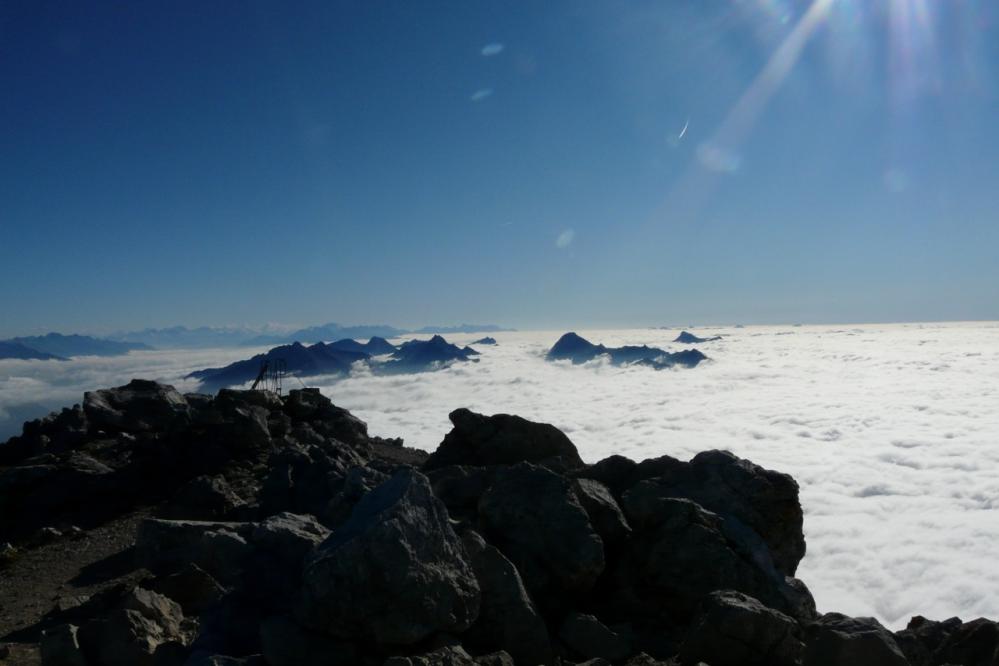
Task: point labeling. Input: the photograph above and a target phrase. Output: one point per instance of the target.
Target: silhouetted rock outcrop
(502, 440)
(338, 358)
(579, 350)
(276, 531)
(297, 359)
(691, 339)
(485, 341)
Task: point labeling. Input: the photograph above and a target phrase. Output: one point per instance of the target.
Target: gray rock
(289, 536)
(764, 500)
(507, 618)
(502, 440)
(191, 587)
(154, 606)
(217, 547)
(733, 629)
(203, 498)
(139, 405)
(616, 472)
(589, 638)
(60, 647)
(358, 482)
(308, 404)
(145, 626)
(838, 640)
(922, 637)
(123, 638)
(461, 487)
(605, 514)
(680, 553)
(394, 573)
(533, 516)
(452, 656)
(974, 643)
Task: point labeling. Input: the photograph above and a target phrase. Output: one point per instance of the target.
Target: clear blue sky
(535, 164)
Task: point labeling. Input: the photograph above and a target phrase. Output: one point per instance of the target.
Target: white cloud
(891, 432)
(481, 94)
(492, 49)
(565, 238)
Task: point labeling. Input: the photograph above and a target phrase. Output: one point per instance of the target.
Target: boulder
(507, 617)
(461, 487)
(974, 643)
(203, 498)
(191, 587)
(289, 537)
(680, 553)
(534, 517)
(616, 472)
(358, 482)
(838, 640)
(922, 637)
(605, 514)
(502, 440)
(219, 548)
(589, 638)
(60, 647)
(764, 500)
(394, 573)
(733, 629)
(308, 404)
(146, 629)
(140, 405)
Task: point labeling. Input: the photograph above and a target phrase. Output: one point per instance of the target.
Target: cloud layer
(891, 431)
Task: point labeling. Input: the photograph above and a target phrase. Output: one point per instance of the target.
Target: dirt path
(64, 572)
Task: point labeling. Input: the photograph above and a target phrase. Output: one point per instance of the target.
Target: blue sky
(518, 163)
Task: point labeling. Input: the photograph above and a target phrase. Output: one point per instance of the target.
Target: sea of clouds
(892, 432)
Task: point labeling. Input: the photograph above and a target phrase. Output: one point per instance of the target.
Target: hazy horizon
(888, 429)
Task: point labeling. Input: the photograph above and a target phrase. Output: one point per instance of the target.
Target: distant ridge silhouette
(579, 350)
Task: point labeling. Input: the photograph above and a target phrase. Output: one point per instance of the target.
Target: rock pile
(283, 534)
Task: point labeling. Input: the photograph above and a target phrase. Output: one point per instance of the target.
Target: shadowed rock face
(502, 440)
(579, 350)
(281, 533)
(394, 573)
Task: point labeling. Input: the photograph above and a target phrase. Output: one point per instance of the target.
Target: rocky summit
(149, 527)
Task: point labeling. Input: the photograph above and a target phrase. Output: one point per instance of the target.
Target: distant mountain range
(337, 358)
(16, 350)
(331, 331)
(334, 331)
(58, 346)
(181, 337)
(579, 350)
(204, 337)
